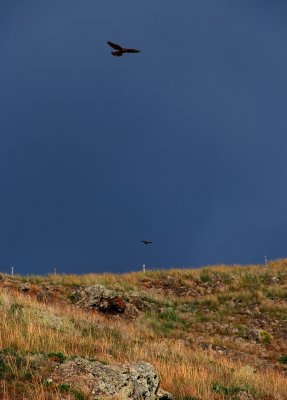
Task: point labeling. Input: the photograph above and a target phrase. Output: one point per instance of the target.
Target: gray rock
(137, 381)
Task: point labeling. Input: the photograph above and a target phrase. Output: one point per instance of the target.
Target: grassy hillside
(213, 333)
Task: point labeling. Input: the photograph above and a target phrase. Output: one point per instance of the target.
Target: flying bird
(146, 241)
(121, 50)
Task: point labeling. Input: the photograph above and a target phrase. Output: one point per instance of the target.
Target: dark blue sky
(183, 144)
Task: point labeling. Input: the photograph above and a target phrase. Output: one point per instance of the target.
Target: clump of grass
(202, 317)
(169, 315)
(205, 276)
(242, 329)
(73, 298)
(210, 301)
(275, 292)
(167, 322)
(59, 357)
(265, 337)
(16, 310)
(78, 394)
(91, 331)
(15, 365)
(283, 359)
(229, 391)
(65, 388)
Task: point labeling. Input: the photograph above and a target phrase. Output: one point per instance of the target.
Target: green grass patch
(205, 276)
(73, 297)
(65, 388)
(265, 337)
(16, 309)
(202, 317)
(226, 391)
(167, 322)
(283, 359)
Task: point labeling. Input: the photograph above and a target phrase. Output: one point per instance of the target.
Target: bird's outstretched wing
(132, 51)
(115, 46)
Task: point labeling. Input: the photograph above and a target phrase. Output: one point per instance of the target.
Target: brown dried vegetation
(212, 333)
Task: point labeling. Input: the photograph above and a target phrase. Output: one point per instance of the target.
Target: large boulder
(137, 381)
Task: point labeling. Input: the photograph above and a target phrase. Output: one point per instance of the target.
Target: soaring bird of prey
(121, 50)
(146, 241)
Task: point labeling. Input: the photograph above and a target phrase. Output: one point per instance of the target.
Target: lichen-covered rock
(137, 381)
(100, 298)
(24, 287)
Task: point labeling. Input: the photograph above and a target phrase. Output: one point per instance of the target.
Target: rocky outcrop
(137, 381)
(24, 287)
(197, 287)
(99, 298)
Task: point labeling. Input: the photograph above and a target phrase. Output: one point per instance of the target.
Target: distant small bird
(146, 241)
(121, 50)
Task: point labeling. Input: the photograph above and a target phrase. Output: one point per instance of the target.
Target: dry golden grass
(185, 370)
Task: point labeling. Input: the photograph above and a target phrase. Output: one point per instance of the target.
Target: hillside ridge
(211, 333)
